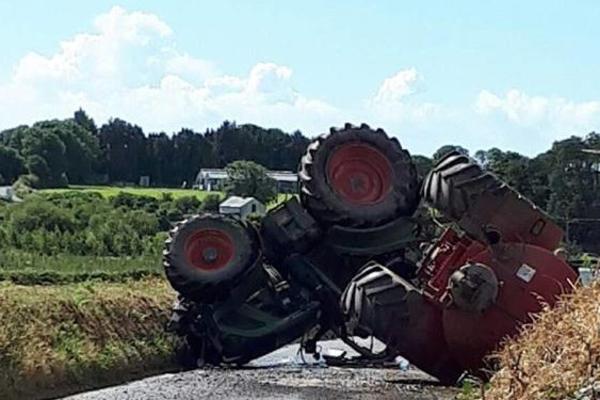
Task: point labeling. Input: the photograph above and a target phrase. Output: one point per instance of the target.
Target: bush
(211, 202)
(41, 215)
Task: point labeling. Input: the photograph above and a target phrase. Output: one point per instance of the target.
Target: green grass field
(111, 191)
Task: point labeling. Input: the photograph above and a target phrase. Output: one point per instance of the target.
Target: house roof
(236, 201)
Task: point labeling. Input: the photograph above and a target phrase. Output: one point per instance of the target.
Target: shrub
(211, 202)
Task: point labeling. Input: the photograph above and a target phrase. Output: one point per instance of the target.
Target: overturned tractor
(347, 257)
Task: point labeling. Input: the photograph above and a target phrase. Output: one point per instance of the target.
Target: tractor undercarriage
(348, 259)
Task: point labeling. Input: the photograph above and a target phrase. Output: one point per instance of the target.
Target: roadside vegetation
(61, 339)
(83, 301)
(556, 357)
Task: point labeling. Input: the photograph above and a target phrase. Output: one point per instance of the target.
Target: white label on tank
(525, 273)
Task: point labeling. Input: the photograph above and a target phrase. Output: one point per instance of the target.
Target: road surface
(283, 375)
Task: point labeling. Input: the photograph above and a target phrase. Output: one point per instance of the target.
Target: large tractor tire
(379, 303)
(359, 177)
(484, 206)
(455, 184)
(207, 254)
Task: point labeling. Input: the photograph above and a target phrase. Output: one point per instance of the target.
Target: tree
(45, 154)
(81, 148)
(249, 179)
(423, 165)
(124, 151)
(11, 165)
(512, 167)
(82, 119)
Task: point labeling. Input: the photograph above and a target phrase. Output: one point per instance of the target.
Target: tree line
(75, 151)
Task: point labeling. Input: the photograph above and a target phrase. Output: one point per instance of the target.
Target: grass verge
(557, 357)
(57, 340)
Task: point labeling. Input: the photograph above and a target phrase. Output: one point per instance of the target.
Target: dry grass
(556, 356)
(56, 340)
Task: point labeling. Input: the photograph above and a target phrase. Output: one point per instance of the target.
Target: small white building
(241, 207)
(7, 193)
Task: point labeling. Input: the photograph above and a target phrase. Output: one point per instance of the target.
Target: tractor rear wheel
(357, 176)
(455, 184)
(207, 254)
(379, 303)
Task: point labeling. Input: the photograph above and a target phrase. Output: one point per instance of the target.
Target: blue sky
(515, 75)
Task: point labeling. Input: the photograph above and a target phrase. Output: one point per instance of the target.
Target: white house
(7, 193)
(242, 207)
(213, 179)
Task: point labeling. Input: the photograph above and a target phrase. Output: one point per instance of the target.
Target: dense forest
(565, 180)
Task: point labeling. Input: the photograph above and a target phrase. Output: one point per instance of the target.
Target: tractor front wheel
(207, 254)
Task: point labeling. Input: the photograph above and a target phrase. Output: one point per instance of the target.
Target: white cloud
(395, 103)
(555, 114)
(190, 68)
(396, 88)
(129, 67)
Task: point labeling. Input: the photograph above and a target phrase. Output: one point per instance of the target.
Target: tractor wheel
(357, 176)
(455, 184)
(207, 254)
(379, 303)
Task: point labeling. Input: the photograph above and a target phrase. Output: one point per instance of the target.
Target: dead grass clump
(56, 340)
(555, 356)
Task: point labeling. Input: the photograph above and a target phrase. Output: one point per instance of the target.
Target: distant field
(110, 191)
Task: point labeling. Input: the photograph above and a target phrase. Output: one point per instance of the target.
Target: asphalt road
(283, 375)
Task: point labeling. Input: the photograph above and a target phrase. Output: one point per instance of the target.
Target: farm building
(7, 193)
(211, 179)
(242, 207)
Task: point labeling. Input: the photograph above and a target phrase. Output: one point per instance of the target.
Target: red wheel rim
(209, 249)
(359, 173)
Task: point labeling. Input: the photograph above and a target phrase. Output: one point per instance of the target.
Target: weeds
(556, 356)
(61, 339)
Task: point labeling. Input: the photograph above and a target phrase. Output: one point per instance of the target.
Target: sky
(510, 74)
